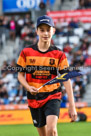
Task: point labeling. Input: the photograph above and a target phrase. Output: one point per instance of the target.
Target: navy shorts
(39, 115)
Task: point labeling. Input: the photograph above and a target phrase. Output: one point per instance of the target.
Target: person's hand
(32, 90)
(72, 113)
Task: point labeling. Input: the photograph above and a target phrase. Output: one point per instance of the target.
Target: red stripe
(39, 103)
(62, 57)
(31, 52)
(30, 79)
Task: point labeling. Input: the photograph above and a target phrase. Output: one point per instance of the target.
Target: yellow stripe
(64, 64)
(62, 76)
(46, 88)
(21, 61)
(40, 61)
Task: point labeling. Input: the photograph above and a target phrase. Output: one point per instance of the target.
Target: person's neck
(43, 46)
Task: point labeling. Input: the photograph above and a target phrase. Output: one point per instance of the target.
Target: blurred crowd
(82, 4)
(73, 37)
(17, 26)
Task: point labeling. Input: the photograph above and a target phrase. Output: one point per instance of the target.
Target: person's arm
(72, 110)
(22, 80)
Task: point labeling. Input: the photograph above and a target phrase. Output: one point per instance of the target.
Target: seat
(74, 39)
(62, 40)
(86, 26)
(79, 32)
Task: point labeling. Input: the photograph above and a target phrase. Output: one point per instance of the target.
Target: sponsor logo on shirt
(52, 61)
(32, 61)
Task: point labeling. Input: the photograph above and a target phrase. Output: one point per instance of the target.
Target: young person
(40, 63)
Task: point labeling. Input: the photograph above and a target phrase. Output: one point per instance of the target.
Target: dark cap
(45, 20)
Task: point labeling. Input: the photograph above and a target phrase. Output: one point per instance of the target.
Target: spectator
(7, 79)
(1, 21)
(89, 32)
(20, 24)
(76, 90)
(79, 23)
(6, 22)
(4, 65)
(59, 32)
(12, 26)
(24, 31)
(69, 32)
(75, 48)
(81, 4)
(67, 48)
(87, 3)
(12, 92)
(3, 95)
(21, 95)
(73, 24)
(84, 46)
(27, 19)
(88, 60)
(64, 99)
(1, 29)
(64, 23)
(79, 82)
(58, 24)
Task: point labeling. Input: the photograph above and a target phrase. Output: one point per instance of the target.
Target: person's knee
(52, 131)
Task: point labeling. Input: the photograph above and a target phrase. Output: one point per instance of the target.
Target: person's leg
(51, 121)
(52, 109)
(39, 120)
(42, 131)
(51, 128)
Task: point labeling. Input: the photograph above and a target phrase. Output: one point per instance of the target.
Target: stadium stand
(72, 37)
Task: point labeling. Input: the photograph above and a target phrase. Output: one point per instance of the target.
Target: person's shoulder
(53, 47)
(32, 46)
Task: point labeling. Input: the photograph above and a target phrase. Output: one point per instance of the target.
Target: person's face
(45, 32)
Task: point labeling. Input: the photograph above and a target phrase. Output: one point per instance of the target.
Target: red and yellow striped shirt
(40, 67)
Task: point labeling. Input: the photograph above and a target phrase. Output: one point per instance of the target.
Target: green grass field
(64, 129)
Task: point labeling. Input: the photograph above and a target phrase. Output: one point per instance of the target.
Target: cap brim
(46, 24)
